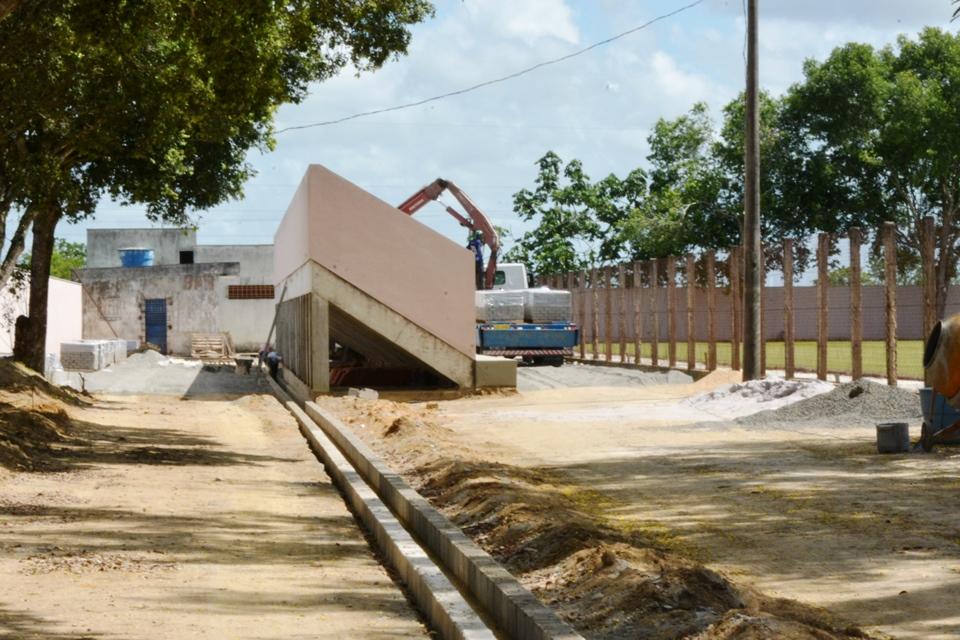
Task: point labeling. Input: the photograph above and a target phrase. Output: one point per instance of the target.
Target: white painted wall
(247, 321)
(64, 314)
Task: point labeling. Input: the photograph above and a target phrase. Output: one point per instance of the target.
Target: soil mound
(607, 579)
(33, 417)
(854, 403)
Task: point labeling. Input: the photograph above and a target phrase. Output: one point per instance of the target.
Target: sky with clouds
(597, 107)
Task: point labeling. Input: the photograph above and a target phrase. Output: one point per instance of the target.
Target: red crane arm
(475, 220)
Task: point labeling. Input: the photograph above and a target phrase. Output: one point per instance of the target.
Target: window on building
(110, 308)
(250, 292)
(186, 257)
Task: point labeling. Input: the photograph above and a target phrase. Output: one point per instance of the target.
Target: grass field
(909, 356)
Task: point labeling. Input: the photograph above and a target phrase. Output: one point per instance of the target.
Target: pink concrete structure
(377, 267)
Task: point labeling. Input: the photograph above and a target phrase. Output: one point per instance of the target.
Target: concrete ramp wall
(385, 253)
(384, 275)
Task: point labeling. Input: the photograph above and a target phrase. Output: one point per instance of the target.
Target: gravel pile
(746, 398)
(854, 403)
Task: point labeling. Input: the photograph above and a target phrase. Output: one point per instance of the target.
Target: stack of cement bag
(91, 355)
(528, 305)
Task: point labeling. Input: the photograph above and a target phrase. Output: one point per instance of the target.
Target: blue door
(155, 311)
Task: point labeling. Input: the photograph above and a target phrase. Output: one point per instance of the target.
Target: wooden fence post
(622, 284)
(637, 311)
(890, 285)
(763, 319)
(655, 314)
(672, 310)
(691, 320)
(929, 285)
(711, 310)
(583, 313)
(856, 305)
(595, 308)
(733, 259)
(608, 314)
(823, 253)
(788, 317)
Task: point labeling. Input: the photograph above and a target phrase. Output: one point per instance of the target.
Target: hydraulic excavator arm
(474, 220)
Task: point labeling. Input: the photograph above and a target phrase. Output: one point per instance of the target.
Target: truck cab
(510, 276)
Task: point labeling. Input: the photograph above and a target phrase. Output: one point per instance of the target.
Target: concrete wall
(247, 321)
(103, 245)
(113, 306)
(64, 314)
(909, 312)
(393, 258)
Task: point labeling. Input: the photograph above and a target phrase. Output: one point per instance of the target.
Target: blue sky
(597, 107)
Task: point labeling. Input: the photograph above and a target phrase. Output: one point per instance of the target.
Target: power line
(487, 83)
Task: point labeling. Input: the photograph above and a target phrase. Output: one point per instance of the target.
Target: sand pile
(854, 403)
(745, 398)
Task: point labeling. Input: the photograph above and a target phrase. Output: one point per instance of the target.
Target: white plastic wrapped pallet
(547, 305)
(499, 306)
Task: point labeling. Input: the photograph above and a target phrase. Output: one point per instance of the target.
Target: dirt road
(188, 519)
(803, 511)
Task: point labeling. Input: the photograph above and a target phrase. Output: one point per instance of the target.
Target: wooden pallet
(209, 346)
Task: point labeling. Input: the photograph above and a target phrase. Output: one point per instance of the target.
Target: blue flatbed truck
(537, 343)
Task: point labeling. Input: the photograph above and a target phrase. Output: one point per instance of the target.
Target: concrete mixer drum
(941, 361)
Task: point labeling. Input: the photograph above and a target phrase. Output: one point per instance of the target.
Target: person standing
(475, 244)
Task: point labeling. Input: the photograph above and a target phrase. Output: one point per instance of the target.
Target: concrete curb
(516, 612)
(444, 606)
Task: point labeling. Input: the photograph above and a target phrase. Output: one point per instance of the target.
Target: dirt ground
(157, 517)
(805, 512)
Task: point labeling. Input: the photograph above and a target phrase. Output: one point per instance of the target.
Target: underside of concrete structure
(371, 297)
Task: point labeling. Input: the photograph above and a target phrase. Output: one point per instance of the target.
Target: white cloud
(529, 20)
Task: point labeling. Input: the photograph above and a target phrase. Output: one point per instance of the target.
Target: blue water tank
(136, 257)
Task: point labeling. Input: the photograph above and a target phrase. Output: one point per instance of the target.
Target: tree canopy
(885, 124)
(158, 102)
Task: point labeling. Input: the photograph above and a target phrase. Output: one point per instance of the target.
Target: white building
(186, 289)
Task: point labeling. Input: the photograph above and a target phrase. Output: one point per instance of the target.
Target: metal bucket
(893, 437)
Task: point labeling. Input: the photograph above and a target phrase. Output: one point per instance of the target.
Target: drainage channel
(460, 589)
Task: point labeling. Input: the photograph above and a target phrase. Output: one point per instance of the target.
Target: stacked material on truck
(547, 305)
(91, 355)
(499, 306)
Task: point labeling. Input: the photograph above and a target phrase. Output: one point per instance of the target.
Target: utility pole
(753, 265)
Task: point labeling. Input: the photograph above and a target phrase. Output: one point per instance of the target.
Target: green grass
(909, 355)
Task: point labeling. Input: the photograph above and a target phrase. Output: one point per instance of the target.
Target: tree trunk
(944, 269)
(17, 244)
(31, 341)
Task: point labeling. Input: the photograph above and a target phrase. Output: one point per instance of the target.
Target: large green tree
(579, 223)
(157, 103)
(884, 125)
(684, 207)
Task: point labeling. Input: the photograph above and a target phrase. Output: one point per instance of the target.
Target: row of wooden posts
(611, 279)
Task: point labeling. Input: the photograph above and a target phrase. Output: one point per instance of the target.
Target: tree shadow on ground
(23, 626)
(89, 444)
(818, 511)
